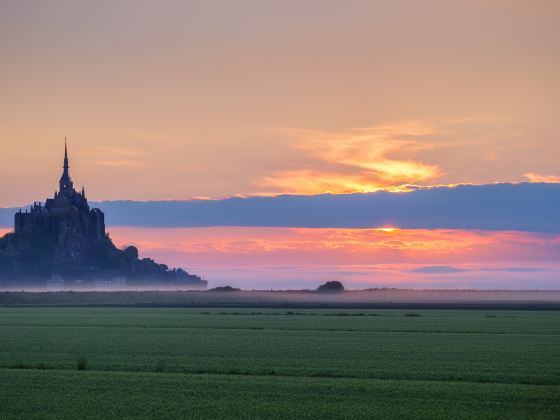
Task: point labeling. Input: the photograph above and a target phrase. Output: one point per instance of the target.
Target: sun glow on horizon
(388, 229)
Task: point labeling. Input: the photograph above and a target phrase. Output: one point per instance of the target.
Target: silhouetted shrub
(82, 363)
(20, 365)
(131, 253)
(224, 289)
(160, 367)
(331, 286)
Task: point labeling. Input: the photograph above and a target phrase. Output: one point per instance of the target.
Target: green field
(264, 363)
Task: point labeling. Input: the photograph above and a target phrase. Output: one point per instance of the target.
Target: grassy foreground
(66, 394)
(217, 363)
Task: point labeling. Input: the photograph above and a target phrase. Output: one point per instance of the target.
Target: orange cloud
(115, 157)
(316, 182)
(532, 177)
(363, 160)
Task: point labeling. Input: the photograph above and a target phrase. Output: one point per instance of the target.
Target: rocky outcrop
(37, 258)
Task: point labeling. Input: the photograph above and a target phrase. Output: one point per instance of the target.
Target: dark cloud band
(526, 206)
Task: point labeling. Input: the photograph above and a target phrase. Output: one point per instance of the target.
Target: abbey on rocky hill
(65, 216)
(64, 242)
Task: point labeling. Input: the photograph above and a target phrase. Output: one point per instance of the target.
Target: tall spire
(66, 184)
(65, 155)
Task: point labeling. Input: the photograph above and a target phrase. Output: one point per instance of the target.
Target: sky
(180, 100)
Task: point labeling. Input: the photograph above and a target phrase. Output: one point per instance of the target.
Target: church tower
(66, 238)
(66, 184)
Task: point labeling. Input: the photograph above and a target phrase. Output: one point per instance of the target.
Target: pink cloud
(295, 257)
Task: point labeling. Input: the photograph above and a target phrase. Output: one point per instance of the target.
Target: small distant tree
(225, 289)
(331, 286)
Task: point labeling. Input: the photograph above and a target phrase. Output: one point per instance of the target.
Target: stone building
(66, 215)
(64, 242)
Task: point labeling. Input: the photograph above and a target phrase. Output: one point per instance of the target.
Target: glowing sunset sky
(284, 258)
(171, 100)
(176, 99)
